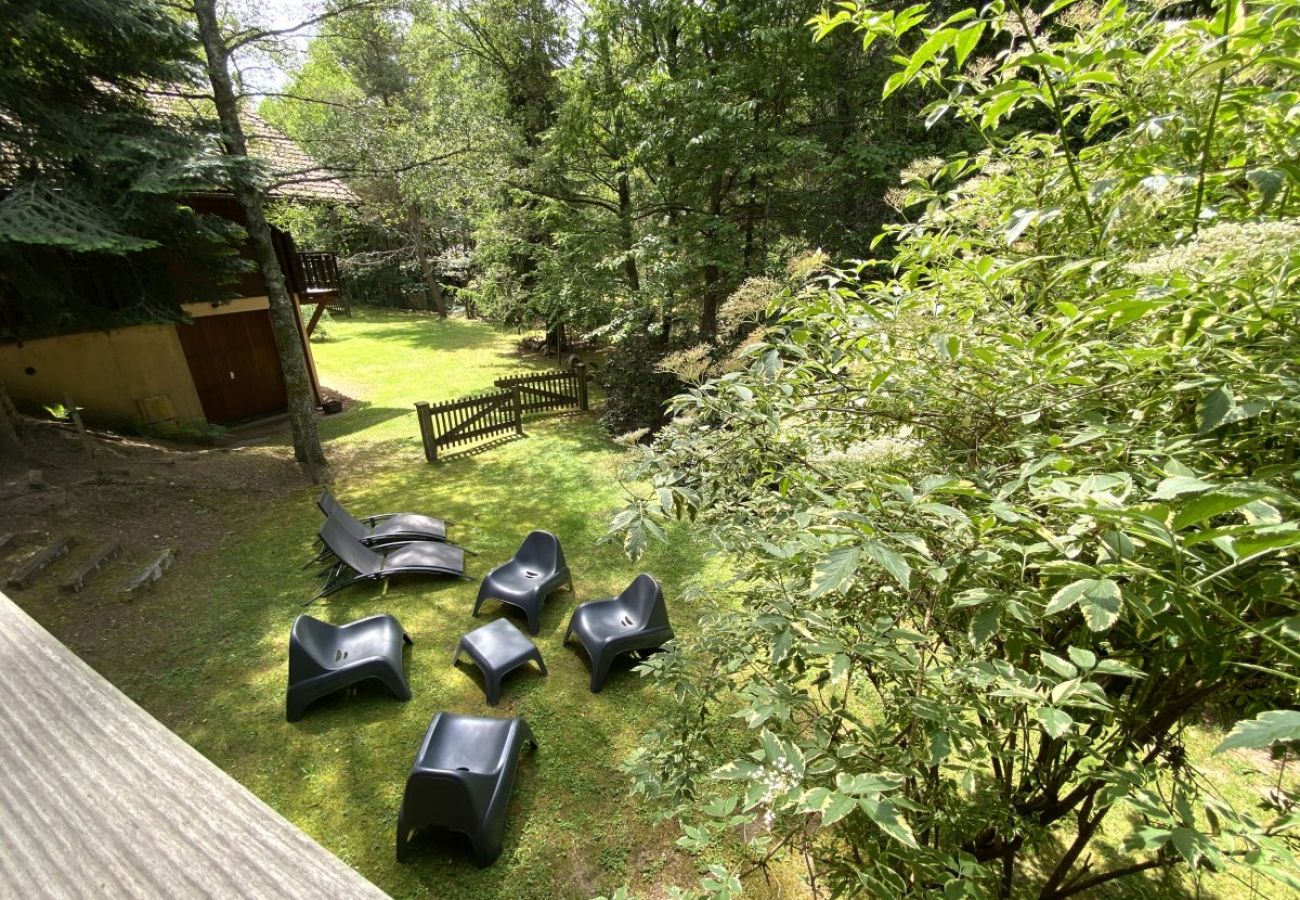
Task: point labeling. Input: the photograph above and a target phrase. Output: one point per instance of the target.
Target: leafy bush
(636, 391)
(1010, 510)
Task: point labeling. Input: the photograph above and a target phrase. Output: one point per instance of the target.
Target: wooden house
(220, 366)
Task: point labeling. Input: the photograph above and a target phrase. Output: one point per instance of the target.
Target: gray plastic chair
(535, 572)
(357, 563)
(636, 619)
(386, 528)
(462, 779)
(325, 658)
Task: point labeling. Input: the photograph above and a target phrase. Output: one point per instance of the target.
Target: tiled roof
(302, 176)
(293, 172)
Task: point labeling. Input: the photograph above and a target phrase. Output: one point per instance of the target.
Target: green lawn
(386, 361)
(573, 830)
(205, 652)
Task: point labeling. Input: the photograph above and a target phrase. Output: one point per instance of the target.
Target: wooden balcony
(318, 272)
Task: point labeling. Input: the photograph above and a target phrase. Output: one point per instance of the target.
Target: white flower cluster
(746, 305)
(1080, 16)
(1234, 246)
(690, 365)
(920, 169)
(875, 453)
(632, 438)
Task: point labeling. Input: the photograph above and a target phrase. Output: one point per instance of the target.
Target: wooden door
(235, 366)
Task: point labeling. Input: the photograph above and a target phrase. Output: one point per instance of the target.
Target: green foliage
(1011, 509)
(636, 391)
(1263, 731)
(631, 163)
(89, 169)
(183, 431)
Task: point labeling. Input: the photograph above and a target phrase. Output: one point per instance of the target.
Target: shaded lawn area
(205, 651)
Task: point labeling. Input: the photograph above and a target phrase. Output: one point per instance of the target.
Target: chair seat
(462, 778)
(326, 658)
(636, 619)
(465, 744)
(375, 636)
(602, 620)
(525, 580)
(513, 579)
(428, 555)
(410, 526)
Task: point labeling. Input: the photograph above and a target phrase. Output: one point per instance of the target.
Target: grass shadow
(481, 448)
(360, 417)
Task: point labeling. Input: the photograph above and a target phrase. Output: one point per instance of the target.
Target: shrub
(1009, 511)
(636, 391)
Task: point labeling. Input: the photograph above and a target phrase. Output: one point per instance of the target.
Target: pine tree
(89, 169)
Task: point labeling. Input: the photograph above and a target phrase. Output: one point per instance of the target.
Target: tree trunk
(284, 320)
(713, 285)
(709, 307)
(426, 270)
(11, 447)
(625, 230)
(557, 339)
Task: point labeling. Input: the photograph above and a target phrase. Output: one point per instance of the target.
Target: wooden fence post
(426, 431)
(516, 406)
(581, 369)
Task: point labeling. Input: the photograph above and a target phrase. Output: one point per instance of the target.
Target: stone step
(91, 567)
(151, 573)
(27, 572)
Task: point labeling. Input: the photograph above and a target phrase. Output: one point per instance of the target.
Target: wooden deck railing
(98, 799)
(320, 271)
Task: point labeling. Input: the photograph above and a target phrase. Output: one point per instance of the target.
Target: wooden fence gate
(549, 390)
(483, 416)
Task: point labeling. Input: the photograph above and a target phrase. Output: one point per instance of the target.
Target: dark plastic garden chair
(325, 658)
(636, 619)
(462, 780)
(357, 562)
(387, 528)
(535, 572)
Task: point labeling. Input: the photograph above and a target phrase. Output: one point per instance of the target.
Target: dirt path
(146, 496)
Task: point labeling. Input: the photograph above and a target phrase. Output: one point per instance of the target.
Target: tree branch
(298, 97)
(253, 35)
(285, 178)
(1102, 877)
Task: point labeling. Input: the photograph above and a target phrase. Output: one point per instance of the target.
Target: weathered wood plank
(25, 574)
(100, 800)
(90, 567)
